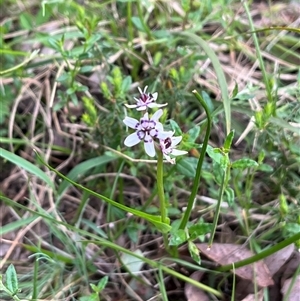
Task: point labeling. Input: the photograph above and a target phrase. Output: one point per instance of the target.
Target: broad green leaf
(244, 163)
(11, 279)
(28, 166)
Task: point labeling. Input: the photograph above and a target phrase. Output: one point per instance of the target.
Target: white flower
(146, 130)
(168, 145)
(146, 100)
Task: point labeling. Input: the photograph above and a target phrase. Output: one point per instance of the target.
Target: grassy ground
(84, 217)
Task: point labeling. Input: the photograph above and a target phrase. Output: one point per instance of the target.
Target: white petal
(157, 115)
(155, 95)
(149, 147)
(176, 140)
(145, 89)
(140, 90)
(169, 159)
(131, 122)
(141, 108)
(132, 139)
(130, 106)
(164, 135)
(177, 152)
(145, 117)
(156, 105)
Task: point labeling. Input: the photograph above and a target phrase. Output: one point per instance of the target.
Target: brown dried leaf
(194, 293)
(291, 266)
(295, 291)
(229, 253)
(275, 261)
(255, 297)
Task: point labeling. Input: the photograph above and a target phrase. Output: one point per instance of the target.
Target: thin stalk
(161, 193)
(218, 208)
(195, 187)
(142, 19)
(258, 53)
(262, 254)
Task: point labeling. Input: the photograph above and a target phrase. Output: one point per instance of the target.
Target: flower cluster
(147, 129)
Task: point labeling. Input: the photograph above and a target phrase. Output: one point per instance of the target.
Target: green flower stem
(191, 200)
(161, 194)
(261, 255)
(160, 187)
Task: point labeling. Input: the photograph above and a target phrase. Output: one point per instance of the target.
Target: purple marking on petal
(141, 134)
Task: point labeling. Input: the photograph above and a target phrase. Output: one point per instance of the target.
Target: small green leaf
(187, 166)
(199, 229)
(86, 69)
(228, 141)
(215, 156)
(230, 196)
(94, 288)
(177, 237)
(138, 24)
(244, 163)
(91, 297)
(194, 251)
(265, 167)
(132, 263)
(175, 127)
(26, 21)
(208, 101)
(193, 133)
(102, 283)
(126, 83)
(64, 77)
(235, 90)
(11, 279)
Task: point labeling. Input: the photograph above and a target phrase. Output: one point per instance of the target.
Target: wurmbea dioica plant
(151, 132)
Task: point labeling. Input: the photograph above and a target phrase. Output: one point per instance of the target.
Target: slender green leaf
(28, 166)
(16, 224)
(81, 169)
(219, 73)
